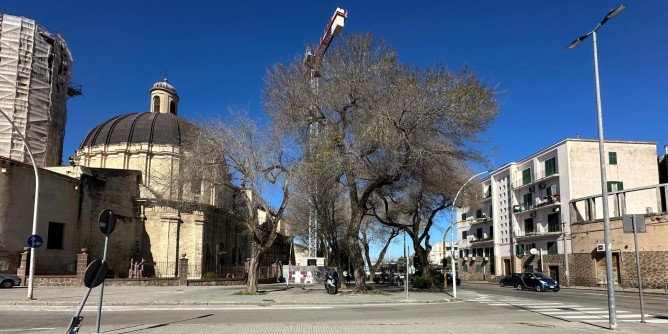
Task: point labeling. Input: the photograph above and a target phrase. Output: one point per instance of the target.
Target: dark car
(448, 276)
(537, 281)
(510, 280)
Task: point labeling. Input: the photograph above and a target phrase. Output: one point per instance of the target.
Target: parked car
(537, 281)
(510, 280)
(448, 276)
(9, 280)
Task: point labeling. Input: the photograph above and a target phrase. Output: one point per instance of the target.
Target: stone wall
(587, 266)
(116, 190)
(652, 269)
(477, 270)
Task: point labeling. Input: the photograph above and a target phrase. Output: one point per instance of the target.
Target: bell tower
(164, 98)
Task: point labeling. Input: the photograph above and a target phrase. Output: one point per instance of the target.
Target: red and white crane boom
(313, 60)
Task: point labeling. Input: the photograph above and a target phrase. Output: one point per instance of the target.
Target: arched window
(172, 107)
(156, 104)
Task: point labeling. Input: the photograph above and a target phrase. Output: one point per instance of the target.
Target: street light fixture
(604, 187)
(31, 275)
(452, 235)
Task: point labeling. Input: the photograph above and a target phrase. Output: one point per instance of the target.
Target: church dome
(152, 128)
(164, 85)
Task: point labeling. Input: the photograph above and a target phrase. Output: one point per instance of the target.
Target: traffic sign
(107, 221)
(95, 273)
(35, 241)
(629, 220)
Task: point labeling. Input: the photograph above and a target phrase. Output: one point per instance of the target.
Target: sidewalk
(277, 293)
(220, 295)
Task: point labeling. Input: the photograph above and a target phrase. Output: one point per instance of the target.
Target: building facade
(35, 73)
(520, 217)
(132, 164)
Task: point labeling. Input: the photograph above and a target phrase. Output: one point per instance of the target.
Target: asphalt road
(459, 317)
(492, 310)
(654, 304)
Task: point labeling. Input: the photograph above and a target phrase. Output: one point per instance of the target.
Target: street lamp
(31, 275)
(452, 235)
(604, 182)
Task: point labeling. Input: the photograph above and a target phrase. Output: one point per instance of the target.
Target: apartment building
(439, 251)
(519, 218)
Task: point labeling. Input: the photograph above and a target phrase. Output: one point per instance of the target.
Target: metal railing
(56, 265)
(160, 269)
(646, 199)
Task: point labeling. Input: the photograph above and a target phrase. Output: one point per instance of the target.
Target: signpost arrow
(35, 241)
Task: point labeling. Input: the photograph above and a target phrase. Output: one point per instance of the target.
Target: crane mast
(312, 61)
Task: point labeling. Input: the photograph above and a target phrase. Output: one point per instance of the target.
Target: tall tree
(256, 160)
(378, 120)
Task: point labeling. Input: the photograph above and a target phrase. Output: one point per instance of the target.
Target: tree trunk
(423, 256)
(358, 264)
(253, 269)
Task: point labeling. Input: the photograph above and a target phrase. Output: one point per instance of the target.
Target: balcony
(487, 196)
(481, 220)
(544, 203)
(474, 239)
(534, 235)
(548, 200)
(522, 207)
(540, 176)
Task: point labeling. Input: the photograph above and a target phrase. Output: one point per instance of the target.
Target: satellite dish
(533, 251)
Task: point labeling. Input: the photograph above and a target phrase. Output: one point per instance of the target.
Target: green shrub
(424, 282)
(210, 275)
(376, 279)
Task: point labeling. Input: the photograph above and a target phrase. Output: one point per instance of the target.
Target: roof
(153, 128)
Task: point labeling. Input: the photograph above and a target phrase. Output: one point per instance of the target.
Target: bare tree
(379, 120)
(257, 162)
(374, 233)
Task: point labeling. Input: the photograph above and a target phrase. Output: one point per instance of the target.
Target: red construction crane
(313, 60)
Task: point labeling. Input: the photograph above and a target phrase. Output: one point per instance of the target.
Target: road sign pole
(107, 225)
(99, 303)
(635, 240)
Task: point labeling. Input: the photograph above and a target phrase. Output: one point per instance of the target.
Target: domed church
(136, 165)
(183, 212)
(151, 142)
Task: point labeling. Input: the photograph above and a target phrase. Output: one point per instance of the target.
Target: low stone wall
(652, 268)
(142, 282)
(68, 280)
(216, 282)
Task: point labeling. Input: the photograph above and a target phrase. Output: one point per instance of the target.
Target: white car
(9, 280)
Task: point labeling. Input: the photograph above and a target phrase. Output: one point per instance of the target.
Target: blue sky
(216, 53)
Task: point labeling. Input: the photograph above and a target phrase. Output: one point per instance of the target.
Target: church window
(172, 107)
(156, 104)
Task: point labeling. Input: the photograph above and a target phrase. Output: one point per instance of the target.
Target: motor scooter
(331, 282)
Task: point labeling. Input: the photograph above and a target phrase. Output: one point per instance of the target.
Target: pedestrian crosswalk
(569, 312)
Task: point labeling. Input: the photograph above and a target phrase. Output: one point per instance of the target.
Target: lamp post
(31, 275)
(604, 182)
(452, 235)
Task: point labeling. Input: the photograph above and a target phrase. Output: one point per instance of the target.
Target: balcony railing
(545, 201)
(481, 220)
(475, 238)
(541, 175)
(647, 199)
(523, 234)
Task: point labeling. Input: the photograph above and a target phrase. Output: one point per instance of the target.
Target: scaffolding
(35, 73)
